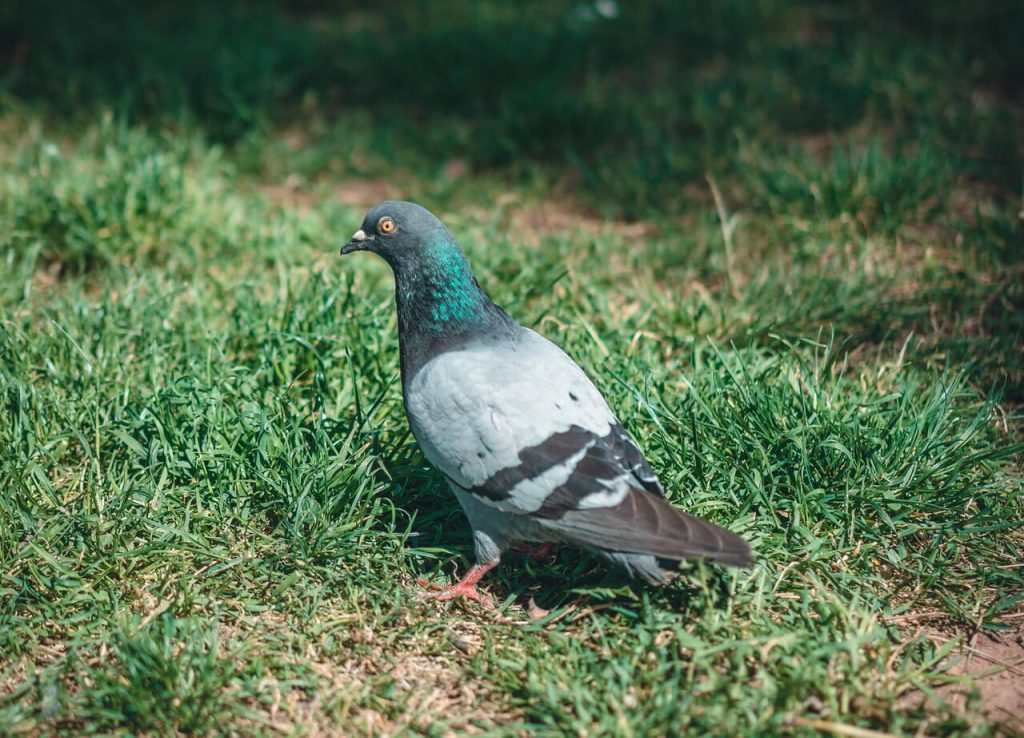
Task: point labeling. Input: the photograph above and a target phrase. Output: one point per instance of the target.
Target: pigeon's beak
(358, 242)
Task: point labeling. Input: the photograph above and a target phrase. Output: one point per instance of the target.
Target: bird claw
(460, 589)
(465, 587)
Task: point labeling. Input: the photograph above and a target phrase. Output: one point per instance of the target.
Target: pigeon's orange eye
(386, 225)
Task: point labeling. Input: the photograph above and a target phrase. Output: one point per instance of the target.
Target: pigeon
(528, 445)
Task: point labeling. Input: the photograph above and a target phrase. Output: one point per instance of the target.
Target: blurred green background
(631, 102)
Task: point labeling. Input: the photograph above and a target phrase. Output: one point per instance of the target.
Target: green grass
(214, 514)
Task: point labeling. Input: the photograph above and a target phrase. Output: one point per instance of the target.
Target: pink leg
(466, 587)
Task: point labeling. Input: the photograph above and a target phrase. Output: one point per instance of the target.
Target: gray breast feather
(521, 427)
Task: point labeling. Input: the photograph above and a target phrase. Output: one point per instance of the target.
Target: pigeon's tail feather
(649, 537)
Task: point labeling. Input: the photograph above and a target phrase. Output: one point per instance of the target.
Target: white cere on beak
(359, 235)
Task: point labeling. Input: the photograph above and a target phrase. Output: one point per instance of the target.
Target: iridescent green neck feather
(440, 304)
(436, 290)
(453, 295)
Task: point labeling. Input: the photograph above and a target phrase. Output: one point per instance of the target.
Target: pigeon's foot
(465, 587)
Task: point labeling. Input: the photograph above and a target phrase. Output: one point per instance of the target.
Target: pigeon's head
(398, 231)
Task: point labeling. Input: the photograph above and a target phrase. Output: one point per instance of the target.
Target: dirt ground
(996, 662)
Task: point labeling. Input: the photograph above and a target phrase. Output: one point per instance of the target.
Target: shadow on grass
(957, 322)
(633, 100)
(579, 579)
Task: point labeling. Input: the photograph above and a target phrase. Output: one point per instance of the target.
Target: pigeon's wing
(518, 425)
(512, 422)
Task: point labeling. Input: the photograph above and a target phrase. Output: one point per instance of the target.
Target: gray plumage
(529, 446)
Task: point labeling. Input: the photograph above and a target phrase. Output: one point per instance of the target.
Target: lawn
(785, 239)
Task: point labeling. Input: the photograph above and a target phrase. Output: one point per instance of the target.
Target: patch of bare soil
(294, 193)
(564, 215)
(996, 662)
